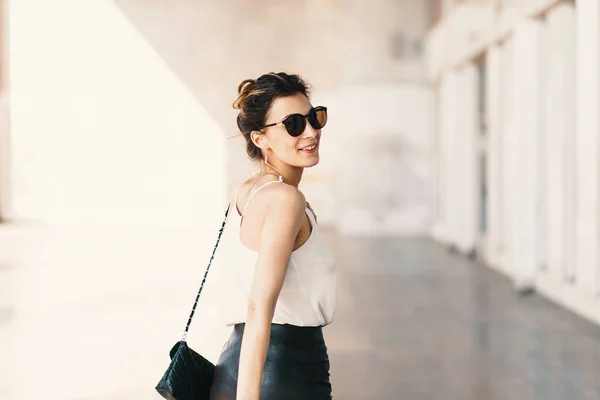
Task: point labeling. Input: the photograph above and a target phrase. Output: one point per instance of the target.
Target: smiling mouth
(309, 148)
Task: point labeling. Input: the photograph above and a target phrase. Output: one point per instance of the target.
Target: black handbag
(189, 375)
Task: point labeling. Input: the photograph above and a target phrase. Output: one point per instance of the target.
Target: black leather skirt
(296, 368)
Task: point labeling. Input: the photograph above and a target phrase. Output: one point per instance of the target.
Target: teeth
(309, 148)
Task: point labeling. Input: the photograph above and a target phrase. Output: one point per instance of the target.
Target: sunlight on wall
(103, 130)
(128, 170)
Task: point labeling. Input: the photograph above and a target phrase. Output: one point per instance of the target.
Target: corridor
(467, 121)
(90, 315)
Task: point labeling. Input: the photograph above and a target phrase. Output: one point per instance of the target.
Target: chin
(304, 161)
(310, 163)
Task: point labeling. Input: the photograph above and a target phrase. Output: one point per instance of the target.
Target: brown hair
(255, 98)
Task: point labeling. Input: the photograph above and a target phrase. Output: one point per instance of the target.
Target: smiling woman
(281, 280)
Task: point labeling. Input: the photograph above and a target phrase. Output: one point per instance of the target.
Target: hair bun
(244, 90)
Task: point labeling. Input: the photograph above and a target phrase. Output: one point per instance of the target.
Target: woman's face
(301, 151)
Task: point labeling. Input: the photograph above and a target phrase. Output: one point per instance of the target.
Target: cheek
(287, 145)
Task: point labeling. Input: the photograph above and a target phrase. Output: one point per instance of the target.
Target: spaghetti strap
(253, 193)
(237, 193)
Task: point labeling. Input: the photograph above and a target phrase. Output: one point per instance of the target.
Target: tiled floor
(90, 314)
(430, 325)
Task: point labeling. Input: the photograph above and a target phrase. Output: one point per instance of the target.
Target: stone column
(447, 175)
(453, 159)
(441, 223)
(528, 132)
(587, 145)
(5, 154)
(466, 158)
(506, 159)
(559, 122)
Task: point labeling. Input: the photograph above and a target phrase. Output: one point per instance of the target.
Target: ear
(259, 139)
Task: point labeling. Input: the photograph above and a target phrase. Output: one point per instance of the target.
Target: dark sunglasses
(295, 124)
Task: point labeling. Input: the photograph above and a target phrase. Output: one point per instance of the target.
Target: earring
(266, 160)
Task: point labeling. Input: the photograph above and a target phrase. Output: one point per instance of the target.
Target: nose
(309, 132)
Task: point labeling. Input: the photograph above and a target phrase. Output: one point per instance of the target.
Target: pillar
(528, 134)
(466, 158)
(560, 128)
(506, 156)
(587, 145)
(494, 127)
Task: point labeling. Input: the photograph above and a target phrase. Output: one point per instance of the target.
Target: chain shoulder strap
(187, 326)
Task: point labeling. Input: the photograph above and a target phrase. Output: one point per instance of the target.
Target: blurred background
(460, 163)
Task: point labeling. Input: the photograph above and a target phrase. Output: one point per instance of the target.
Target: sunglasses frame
(305, 117)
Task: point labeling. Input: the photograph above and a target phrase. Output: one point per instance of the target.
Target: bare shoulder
(283, 212)
(287, 198)
(288, 192)
(273, 198)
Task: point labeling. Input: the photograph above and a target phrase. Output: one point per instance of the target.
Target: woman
(280, 275)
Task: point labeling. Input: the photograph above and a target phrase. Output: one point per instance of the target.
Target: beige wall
(161, 81)
(212, 46)
(103, 131)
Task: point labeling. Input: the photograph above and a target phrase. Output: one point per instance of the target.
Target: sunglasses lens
(295, 124)
(318, 117)
(322, 116)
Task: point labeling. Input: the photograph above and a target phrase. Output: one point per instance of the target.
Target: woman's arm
(279, 231)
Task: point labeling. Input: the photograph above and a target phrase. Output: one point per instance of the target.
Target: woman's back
(309, 291)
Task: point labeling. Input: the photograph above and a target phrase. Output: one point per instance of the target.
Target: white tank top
(309, 293)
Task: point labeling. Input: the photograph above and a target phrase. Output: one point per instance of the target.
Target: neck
(291, 175)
